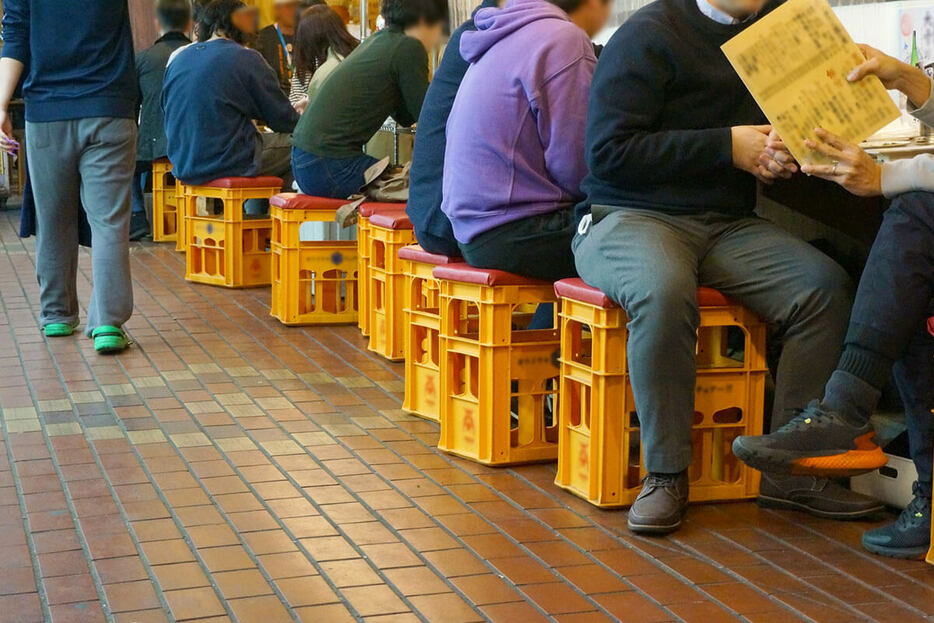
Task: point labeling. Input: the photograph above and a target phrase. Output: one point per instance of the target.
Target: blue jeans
(337, 178)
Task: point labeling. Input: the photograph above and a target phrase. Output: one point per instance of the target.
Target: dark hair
(320, 29)
(216, 17)
(403, 14)
(173, 14)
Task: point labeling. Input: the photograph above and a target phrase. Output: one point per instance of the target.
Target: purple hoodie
(515, 137)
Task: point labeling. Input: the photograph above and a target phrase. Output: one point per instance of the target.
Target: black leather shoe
(818, 496)
(661, 504)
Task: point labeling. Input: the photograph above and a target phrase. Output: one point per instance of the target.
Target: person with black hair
(321, 43)
(174, 20)
(276, 42)
(675, 145)
(386, 76)
(81, 103)
(213, 91)
(432, 228)
(531, 66)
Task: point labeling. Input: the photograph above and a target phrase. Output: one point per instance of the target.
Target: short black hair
(403, 14)
(216, 17)
(173, 14)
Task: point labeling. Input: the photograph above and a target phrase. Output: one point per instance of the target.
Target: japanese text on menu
(795, 61)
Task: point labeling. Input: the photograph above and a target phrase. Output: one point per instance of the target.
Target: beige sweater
(300, 90)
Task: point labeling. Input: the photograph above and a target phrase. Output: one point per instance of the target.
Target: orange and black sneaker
(817, 442)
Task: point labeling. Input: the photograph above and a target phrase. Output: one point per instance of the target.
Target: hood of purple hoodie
(496, 24)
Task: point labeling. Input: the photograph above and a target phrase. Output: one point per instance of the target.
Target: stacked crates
(388, 233)
(313, 281)
(164, 202)
(498, 382)
(227, 248)
(422, 332)
(364, 212)
(600, 452)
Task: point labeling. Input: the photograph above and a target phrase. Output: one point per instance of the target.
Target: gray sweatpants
(86, 162)
(652, 264)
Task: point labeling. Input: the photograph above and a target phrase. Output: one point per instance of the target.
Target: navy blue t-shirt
(78, 57)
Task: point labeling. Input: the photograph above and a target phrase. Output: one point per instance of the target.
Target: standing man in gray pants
(81, 104)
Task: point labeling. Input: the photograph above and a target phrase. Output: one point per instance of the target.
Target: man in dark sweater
(387, 75)
(174, 18)
(432, 228)
(275, 41)
(213, 91)
(81, 99)
(674, 143)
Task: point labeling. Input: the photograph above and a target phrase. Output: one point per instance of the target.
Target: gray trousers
(86, 162)
(273, 157)
(652, 264)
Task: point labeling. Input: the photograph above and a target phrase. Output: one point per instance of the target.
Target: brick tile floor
(227, 468)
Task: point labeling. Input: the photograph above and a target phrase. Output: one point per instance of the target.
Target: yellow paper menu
(795, 61)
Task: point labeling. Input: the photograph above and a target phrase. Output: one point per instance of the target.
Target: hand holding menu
(795, 61)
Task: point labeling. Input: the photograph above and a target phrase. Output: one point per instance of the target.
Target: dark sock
(850, 396)
(867, 365)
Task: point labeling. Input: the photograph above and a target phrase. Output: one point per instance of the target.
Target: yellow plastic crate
(180, 239)
(388, 232)
(364, 212)
(313, 281)
(164, 202)
(422, 333)
(228, 249)
(600, 453)
(490, 369)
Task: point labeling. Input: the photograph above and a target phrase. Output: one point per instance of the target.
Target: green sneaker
(58, 329)
(109, 339)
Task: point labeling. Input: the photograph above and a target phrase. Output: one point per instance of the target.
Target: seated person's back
(515, 138)
(432, 227)
(213, 91)
(387, 75)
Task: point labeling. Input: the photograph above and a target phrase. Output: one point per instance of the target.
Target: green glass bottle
(915, 57)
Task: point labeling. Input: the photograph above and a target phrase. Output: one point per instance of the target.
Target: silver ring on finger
(833, 171)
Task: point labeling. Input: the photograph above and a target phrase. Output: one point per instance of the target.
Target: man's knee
(668, 300)
(826, 287)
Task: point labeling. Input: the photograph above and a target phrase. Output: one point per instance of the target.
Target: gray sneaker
(661, 504)
(818, 496)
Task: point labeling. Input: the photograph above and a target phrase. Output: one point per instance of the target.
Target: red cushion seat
(368, 209)
(297, 201)
(391, 220)
(264, 181)
(465, 273)
(575, 289)
(415, 253)
(163, 160)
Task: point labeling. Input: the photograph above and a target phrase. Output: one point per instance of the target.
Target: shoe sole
(653, 528)
(766, 501)
(904, 553)
(849, 463)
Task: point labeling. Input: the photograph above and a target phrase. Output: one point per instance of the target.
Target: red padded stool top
(391, 220)
(930, 322)
(296, 201)
(368, 209)
(465, 273)
(163, 160)
(265, 181)
(415, 253)
(577, 290)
